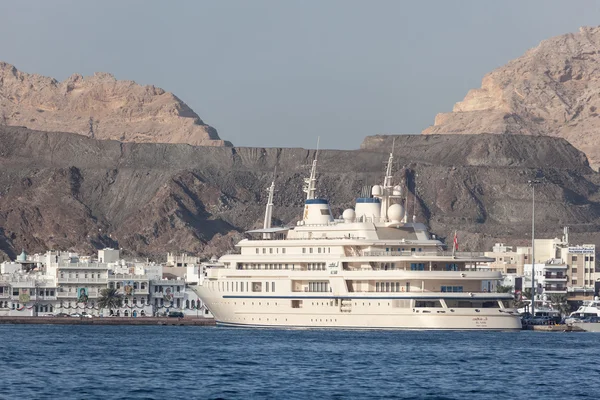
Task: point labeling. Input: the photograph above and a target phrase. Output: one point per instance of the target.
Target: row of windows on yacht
(309, 266)
(319, 286)
(305, 250)
(242, 286)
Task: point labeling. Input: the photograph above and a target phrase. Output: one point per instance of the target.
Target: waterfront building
(64, 282)
(560, 267)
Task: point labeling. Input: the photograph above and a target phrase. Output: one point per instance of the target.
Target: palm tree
(559, 302)
(504, 289)
(110, 298)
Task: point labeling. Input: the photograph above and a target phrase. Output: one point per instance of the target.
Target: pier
(186, 321)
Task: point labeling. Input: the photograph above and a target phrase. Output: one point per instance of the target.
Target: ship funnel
(368, 209)
(317, 212)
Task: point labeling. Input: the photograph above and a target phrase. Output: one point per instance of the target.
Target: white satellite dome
(397, 191)
(396, 212)
(376, 190)
(348, 215)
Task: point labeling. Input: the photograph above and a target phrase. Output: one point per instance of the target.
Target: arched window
(193, 304)
(135, 285)
(187, 304)
(126, 313)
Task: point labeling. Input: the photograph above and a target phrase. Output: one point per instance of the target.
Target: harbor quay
(185, 321)
(64, 287)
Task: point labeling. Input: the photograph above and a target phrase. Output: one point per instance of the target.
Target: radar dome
(376, 191)
(348, 215)
(396, 212)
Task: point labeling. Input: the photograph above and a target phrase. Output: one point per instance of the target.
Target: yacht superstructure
(369, 269)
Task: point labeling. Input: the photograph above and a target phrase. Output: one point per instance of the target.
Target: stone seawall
(109, 321)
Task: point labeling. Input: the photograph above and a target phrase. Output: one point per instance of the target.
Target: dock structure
(108, 321)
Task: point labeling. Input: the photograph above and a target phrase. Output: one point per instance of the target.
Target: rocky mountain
(553, 89)
(101, 107)
(67, 191)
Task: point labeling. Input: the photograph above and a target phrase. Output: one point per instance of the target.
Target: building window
(304, 250)
(272, 286)
(283, 250)
(574, 281)
(310, 250)
(257, 250)
(452, 267)
(574, 270)
(271, 250)
(417, 266)
(574, 258)
(451, 289)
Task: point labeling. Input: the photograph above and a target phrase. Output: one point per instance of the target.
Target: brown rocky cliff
(67, 191)
(553, 89)
(100, 106)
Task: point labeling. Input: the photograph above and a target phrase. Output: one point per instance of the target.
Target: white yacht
(589, 309)
(369, 269)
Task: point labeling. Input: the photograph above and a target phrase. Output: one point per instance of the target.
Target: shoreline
(186, 321)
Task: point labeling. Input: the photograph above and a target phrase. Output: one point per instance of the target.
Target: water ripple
(157, 362)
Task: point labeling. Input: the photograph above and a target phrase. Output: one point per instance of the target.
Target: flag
(455, 241)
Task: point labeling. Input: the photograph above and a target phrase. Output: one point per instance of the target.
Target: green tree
(504, 289)
(110, 298)
(559, 302)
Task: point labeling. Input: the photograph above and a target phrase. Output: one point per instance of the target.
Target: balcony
(550, 289)
(97, 281)
(83, 266)
(74, 295)
(128, 277)
(555, 277)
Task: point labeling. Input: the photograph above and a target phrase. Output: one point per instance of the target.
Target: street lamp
(532, 183)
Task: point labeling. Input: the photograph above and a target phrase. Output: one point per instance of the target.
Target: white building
(64, 282)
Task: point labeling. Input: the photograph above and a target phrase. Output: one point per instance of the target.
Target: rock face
(553, 89)
(100, 106)
(67, 191)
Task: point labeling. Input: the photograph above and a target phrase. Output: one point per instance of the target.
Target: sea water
(178, 362)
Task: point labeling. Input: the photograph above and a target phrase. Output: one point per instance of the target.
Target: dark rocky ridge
(66, 191)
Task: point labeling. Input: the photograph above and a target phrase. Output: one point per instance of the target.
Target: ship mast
(310, 184)
(387, 188)
(269, 208)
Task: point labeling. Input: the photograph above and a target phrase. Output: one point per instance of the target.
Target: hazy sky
(281, 73)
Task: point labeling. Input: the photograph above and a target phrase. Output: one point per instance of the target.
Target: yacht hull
(588, 326)
(273, 312)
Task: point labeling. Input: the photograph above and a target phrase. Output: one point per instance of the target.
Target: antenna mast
(310, 184)
(269, 208)
(387, 188)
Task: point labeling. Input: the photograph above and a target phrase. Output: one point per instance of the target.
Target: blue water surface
(179, 362)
